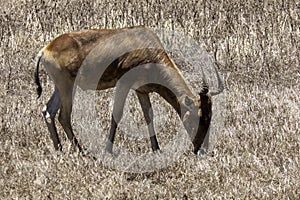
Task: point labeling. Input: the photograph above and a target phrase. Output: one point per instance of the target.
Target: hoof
(157, 151)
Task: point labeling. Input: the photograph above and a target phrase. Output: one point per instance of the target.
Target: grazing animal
(125, 58)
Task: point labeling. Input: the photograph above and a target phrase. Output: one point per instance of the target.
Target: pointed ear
(188, 101)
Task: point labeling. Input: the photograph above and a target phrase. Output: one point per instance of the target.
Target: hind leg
(49, 113)
(65, 117)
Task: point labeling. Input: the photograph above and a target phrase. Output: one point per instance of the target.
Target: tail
(36, 74)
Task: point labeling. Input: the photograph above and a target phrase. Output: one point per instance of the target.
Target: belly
(102, 85)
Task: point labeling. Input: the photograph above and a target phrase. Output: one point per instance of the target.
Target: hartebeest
(128, 58)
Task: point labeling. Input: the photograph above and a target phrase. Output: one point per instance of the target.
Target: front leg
(111, 137)
(119, 101)
(148, 114)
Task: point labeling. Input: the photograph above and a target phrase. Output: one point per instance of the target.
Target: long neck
(178, 84)
(174, 88)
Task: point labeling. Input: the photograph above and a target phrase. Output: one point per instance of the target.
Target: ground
(256, 48)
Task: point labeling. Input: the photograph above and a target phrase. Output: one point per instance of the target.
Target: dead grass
(256, 46)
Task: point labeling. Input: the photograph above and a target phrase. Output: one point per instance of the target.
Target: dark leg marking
(111, 137)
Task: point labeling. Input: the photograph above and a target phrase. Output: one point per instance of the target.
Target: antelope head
(197, 112)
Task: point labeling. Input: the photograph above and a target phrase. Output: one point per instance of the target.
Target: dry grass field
(256, 47)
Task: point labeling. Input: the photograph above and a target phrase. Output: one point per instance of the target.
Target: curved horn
(220, 84)
(205, 88)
